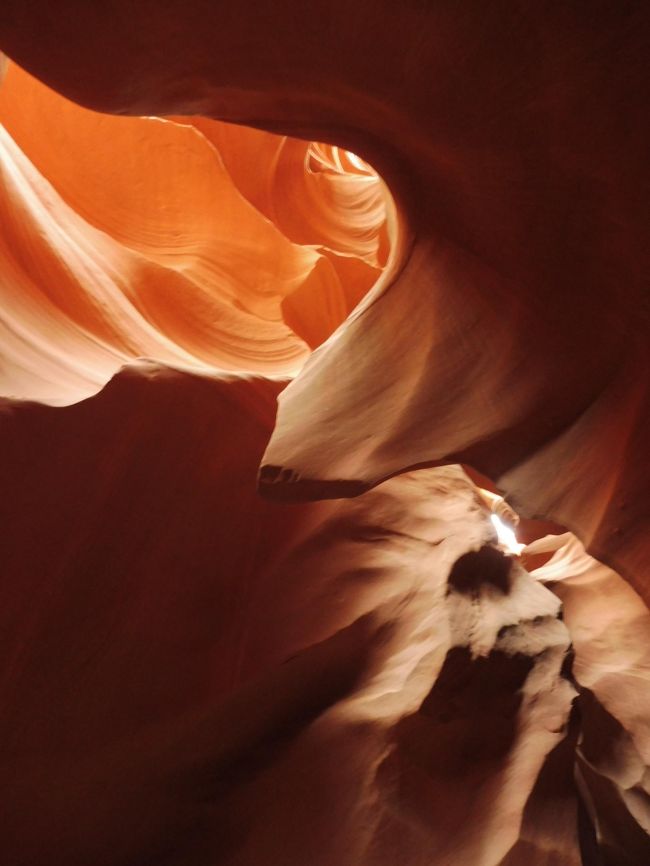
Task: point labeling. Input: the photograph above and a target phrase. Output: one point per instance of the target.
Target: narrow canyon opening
(184, 240)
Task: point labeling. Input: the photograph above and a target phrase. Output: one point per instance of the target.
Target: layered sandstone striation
(351, 668)
(127, 237)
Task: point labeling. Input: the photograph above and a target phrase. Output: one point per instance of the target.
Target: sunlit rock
(383, 665)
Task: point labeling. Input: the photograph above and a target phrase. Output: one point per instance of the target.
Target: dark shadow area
(469, 717)
(604, 749)
(479, 567)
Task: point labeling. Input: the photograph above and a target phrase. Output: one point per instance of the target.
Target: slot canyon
(324, 433)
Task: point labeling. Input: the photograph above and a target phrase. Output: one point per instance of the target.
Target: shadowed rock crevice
(612, 776)
(470, 714)
(551, 831)
(484, 567)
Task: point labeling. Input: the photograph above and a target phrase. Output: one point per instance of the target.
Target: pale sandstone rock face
(194, 674)
(125, 237)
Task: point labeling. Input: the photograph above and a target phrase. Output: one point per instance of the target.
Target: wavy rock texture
(132, 236)
(195, 675)
(610, 628)
(517, 325)
(192, 675)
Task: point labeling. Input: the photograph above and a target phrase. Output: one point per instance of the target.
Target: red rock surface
(140, 236)
(193, 674)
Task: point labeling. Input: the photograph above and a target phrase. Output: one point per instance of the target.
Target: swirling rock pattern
(135, 236)
(194, 675)
(184, 660)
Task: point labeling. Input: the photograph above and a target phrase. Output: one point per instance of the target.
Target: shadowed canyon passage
(194, 673)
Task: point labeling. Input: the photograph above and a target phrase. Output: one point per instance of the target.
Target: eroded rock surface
(127, 237)
(192, 675)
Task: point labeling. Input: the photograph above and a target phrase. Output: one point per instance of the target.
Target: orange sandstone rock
(366, 681)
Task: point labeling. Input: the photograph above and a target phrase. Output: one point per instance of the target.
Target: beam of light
(506, 536)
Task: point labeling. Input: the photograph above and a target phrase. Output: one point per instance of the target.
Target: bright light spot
(506, 536)
(356, 161)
